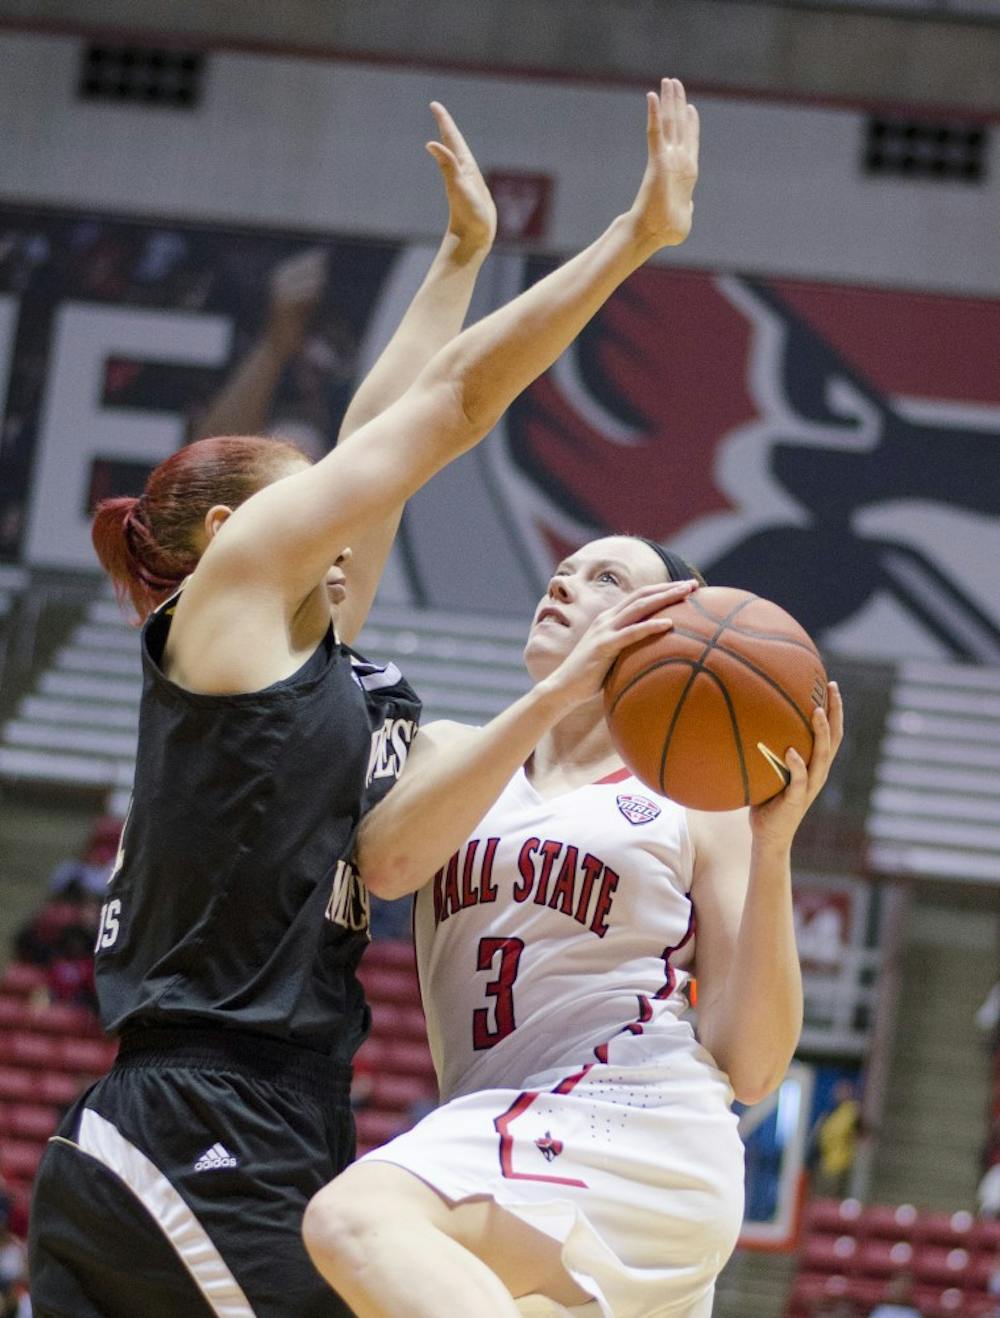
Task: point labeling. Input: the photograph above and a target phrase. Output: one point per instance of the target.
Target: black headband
(678, 569)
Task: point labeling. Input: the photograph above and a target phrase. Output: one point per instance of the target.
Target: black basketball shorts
(176, 1185)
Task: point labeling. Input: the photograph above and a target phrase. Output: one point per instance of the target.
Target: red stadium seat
(981, 1269)
(19, 1159)
(810, 1288)
(24, 1048)
(16, 1085)
(407, 1056)
(823, 1253)
(63, 1018)
(15, 1014)
(399, 1092)
(88, 1056)
(21, 979)
(370, 1052)
(375, 1127)
(31, 1121)
(883, 1258)
(951, 1302)
(985, 1236)
(390, 984)
(395, 952)
(835, 1216)
(954, 1229)
(891, 1222)
(937, 1265)
(392, 1020)
(58, 1088)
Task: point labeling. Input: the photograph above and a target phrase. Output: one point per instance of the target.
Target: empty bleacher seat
(395, 952)
(19, 1159)
(891, 1222)
(375, 1127)
(399, 1092)
(390, 984)
(824, 1253)
(883, 1258)
(30, 1121)
(25, 1048)
(939, 1265)
(409, 1056)
(944, 1228)
(21, 979)
(17, 1084)
(836, 1216)
(87, 1056)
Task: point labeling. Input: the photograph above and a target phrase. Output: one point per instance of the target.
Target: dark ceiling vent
(913, 148)
(142, 75)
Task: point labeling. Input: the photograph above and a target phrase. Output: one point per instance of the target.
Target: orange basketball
(705, 713)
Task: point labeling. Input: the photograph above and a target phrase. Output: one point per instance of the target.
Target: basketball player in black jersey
(234, 917)
(234, 920)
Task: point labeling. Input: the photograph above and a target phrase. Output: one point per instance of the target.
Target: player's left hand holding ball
(775, 822)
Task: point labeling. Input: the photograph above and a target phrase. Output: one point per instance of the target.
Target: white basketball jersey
(546, 940)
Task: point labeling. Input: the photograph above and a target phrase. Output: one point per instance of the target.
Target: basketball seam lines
(698, 666)
(737, 739)
(747, 663)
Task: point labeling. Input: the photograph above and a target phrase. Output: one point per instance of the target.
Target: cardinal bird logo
(548, 1147)
(782, 434)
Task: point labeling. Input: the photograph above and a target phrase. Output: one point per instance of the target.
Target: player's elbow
(754, 1089)
(386, 872)
(476, 405)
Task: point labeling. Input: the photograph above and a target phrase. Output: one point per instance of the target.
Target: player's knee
(338, 1226)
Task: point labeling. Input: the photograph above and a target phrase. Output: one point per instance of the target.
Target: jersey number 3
(502, 989)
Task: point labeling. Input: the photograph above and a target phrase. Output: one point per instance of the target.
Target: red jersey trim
(517, 1109)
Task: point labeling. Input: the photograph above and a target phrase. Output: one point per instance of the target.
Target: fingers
(835, 714)
(651, 599)
(448, 129)
(669, 118)
(444, 158)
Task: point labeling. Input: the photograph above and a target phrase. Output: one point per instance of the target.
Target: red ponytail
(149, 545)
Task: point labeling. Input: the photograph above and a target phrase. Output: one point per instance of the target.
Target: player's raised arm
(285, 537)
(433, 318)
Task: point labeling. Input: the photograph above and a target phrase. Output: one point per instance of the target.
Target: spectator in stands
(835, 1139)
(898, 1299)
(70, 973)
(38, 940)
(89, 872)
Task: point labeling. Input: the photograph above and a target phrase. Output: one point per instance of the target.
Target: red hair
(150, 544)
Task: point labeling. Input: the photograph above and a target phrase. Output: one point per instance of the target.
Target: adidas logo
(213, 1159)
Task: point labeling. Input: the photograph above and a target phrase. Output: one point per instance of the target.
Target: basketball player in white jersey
(584, 1150)
(585, 1156)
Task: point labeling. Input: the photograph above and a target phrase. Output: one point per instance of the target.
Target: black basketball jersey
(234, 901)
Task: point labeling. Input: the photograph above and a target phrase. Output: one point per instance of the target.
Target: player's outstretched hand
(472, 215)
(776, 820)
(637, 616)
(664, 205)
